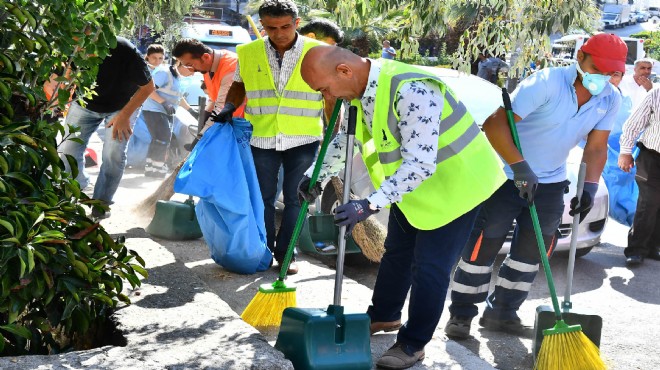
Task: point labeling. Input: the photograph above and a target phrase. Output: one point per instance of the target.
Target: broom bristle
(568, 351)
(266, 308)
(165, 191)
(369, 235)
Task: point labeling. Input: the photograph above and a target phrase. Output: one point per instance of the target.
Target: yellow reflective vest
(468, 170)
(296, 111)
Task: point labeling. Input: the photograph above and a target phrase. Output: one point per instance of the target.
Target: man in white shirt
(637, 85)
(643, 238)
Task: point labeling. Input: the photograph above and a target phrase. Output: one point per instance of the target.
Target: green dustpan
(592, 325)
(329, 339)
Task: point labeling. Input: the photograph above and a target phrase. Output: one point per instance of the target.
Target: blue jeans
(473, 273)
(420, 261)
(113, 156)
(295, 162)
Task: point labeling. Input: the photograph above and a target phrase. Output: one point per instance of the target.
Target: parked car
(481, 105)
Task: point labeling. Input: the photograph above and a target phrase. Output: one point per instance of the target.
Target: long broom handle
(341, 245)
(566, 305)
(305, 204)
(532, 210)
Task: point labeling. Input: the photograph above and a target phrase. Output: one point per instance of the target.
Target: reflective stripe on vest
(467, 172)
(296, 111)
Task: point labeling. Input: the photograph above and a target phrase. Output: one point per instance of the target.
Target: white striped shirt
(645, 118)
(281, 75)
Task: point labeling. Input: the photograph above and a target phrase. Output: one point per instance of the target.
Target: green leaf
(4, 166)
(70, 306)
(15, 329)
(2, 343)
(7, 225)
(26, 180)
(140, 270)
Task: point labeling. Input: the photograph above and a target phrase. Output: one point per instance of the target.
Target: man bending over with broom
(554, 109)
(429, 161)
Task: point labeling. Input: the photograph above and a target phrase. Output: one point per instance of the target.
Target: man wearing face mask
(554, 109)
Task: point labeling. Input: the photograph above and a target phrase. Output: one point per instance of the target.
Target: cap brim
(606, 65)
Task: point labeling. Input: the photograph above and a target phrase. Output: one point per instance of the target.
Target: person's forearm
(498, 133)
(595, 158)
(184, 103)
(156, 97)
(137, 99)
(236, 94)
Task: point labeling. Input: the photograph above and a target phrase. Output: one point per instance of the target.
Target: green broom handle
(305, 204)
(532, 210)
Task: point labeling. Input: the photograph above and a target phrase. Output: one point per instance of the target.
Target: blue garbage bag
(220, 171)
(621, 185)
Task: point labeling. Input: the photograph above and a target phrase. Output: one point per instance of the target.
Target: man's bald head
(335, 72)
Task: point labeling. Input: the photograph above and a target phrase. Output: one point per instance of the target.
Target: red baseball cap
(608, 52)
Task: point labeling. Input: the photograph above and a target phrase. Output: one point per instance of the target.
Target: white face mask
(593, 82)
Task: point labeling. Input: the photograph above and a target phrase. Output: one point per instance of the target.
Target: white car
(481, 98)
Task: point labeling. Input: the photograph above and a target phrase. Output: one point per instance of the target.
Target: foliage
(61, 273)
(164, 17)
(494, 26)
(651, 43)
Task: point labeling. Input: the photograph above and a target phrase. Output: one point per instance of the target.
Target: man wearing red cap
(554, 109)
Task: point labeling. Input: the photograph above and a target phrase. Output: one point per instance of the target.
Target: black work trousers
(644, 235)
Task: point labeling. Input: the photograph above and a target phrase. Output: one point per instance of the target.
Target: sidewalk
(185, 314)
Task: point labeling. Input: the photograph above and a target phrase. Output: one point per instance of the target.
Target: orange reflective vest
(227, 65)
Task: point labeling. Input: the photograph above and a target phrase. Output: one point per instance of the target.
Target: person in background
(123, 83)
(323, 30)
(285, 112)
(158, 112)
(218, 68)
(637, 85)
(554, 109)
(644, 235)
(155, 56)
(388, 51)
(429, 161)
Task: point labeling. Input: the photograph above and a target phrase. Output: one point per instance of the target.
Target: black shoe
(100, 214)
(633, 261)
(655, 255)
(514, 327)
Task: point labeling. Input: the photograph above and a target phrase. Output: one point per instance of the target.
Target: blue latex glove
(351, 213)
(525, 180)
(225, 114)
(586, 201)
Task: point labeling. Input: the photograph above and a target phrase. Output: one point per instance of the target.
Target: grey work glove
(305, 194)
(525, 180)
(169, 108)
(193, 113)
(351, 213)
(586, 200)
(225, 114)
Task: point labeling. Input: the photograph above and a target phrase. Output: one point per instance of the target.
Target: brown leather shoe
(400, 356)
(385, 326)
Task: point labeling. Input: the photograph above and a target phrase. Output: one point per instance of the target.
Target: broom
(267, 306)
(165, 190)
(564, 347)
(369, 234)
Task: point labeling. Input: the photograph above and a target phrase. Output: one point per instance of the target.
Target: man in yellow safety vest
(428, 162)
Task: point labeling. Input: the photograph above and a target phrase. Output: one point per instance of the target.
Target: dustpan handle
(566, 304)
(341, 244)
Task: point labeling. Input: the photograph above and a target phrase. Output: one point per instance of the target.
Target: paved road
(627, 300)
(629, 30)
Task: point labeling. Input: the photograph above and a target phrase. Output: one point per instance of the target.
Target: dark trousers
(160, 129)
(644, 236)
(473, 273)
(419, 261)
(295, 162)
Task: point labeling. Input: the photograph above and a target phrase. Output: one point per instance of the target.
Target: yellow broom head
(566, 347)
(267, 306)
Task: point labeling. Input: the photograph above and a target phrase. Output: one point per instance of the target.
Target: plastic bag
(220, 171)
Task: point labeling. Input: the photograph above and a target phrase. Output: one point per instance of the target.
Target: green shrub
(651, 42)
(61, 273)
